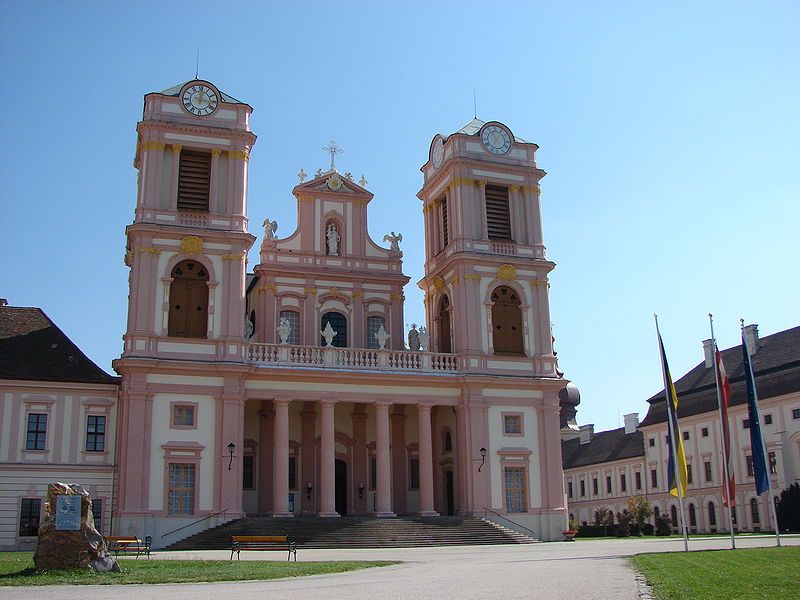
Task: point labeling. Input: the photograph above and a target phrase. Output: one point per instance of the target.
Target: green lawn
(748, 574)
(16, 568)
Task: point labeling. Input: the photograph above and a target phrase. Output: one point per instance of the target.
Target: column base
(281, 515)
(428, 513)
(384, 514)
(328, 514)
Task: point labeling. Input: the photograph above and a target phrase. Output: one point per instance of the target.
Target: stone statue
(328, 333)
(424, 339)
(394, 241)
(382, 337)
(413, 338)
(270, 227)
(333, 238)
(284, 329)
(248, 328)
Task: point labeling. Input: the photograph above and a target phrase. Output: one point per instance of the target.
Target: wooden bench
(262, 542)
(129, 544)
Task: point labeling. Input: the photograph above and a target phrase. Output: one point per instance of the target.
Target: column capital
(327, 402)
(281, 401)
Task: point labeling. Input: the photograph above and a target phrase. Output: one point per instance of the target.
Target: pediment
(333, 183)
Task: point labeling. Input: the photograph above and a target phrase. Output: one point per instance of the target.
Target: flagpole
(725, 450)
(672, 443)
(763, 444)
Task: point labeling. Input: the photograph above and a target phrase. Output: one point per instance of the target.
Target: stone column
(425, 462)
(280, 460)
(360, 475)
(398, 456)
(265, 454)
(384, 490)
(327, 460)
(308, 419)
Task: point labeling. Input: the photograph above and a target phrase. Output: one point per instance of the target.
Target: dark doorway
(341, 487)
(448, 493)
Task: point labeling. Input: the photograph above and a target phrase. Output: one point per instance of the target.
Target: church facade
(289, 391)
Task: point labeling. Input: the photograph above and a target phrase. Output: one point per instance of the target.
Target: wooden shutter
(194, 180)
(507, 322)
(445, 232)
(498, 221)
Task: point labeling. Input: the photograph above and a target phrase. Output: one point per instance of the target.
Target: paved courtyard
(593, 570)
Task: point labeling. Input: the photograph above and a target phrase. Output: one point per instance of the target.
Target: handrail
(222, 512)
(488, 510)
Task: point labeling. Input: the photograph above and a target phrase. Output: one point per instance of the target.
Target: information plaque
(68, 513)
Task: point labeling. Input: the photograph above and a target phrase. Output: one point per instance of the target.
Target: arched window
(333, 239)
(754, 510)
(373, 326)
(188, 300)
(293, 317)
(712, 514)
(656, 512)
(448, 442)
(674, 514)
(445, 343)
(692, 516)
(339, 324)
(506, 322)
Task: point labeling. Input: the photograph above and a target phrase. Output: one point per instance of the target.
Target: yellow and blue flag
(676, 469)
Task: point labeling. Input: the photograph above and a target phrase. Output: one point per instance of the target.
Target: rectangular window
(516, 496)
(654, 478)
(796, 413)
(413, 473)
(181, 489)
(773, 463)
(498, 220)
(373, 472)
(746, 424)
(97, 514)
(569, 489)
(594, 486)
(704, 432)
(194, 180)
(651, 442)
(685, 435)
(689, 473)
(183, 415)
(37, 432)
(374, 325)
(293, 317)
(750, 468)
(767, 419)
(248, 472)
(29, 517)
(608, 484)
(512, 424)
(292, 472)
(707, 467)
(95, 433)
(623, 484)
(638, 478)
(583, 488)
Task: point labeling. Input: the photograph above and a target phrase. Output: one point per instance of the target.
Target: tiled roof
(33, 348)
(776, 365)
(605, 446)
(175, 90)
(474, 126)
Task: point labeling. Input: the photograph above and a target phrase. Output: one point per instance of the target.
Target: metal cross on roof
(334, 150)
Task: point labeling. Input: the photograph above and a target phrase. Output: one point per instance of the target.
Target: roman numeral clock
(199, 98)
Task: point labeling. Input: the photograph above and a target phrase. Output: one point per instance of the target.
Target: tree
(640, 510)
(789, 508)
(604, 518)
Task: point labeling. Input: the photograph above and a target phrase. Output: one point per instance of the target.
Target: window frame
(99, 436)
(295, 334)
(178, 405)
(40, 429)
(29, 503)
(336, 342)
(520, 419)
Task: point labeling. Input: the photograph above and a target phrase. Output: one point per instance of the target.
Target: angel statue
(394, 241)
(270, 227)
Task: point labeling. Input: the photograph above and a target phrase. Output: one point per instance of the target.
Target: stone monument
(67, 537)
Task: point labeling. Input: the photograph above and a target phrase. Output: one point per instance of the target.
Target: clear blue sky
(669, 131)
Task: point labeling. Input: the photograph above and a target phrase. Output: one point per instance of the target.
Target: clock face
(496, 139)
(199, 99)
(438, 152)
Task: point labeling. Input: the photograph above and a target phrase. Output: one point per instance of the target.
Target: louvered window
(498, 221)
(445, 232)
(194, 180)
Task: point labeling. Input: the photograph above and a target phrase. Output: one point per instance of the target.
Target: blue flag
(760, 470)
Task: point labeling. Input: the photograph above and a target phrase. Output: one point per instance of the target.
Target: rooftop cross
(334, 150)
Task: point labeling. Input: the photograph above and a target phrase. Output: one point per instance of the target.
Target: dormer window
(194, 180)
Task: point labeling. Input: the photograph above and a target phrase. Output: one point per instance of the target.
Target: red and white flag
(724, 386)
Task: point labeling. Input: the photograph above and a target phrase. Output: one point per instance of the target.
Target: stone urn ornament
(67, 536)
(328, 334)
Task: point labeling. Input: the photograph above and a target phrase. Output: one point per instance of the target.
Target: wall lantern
(231, 449)
(360, 491)
(309, 487)
(483, 459)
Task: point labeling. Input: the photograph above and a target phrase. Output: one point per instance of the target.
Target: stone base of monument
(67, 536)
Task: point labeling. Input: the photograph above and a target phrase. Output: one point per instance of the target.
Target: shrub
(640, 510)
(663, 525)
(624, 520)
(789, 509)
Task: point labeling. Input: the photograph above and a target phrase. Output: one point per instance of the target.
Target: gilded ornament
(192, 245)
(267, 287)
(507, 272)
(438, 283)
(310, 290)
(216, 152)
(239, 154)
(176, 148)
(154, 251)
(395, 296)
(472, 276)
(152, 145)
(358, 293)
(232, 257)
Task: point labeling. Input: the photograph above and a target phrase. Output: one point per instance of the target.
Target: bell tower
(485, 284)
(187, 245)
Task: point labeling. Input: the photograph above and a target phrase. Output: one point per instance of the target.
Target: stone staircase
(359, 532)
